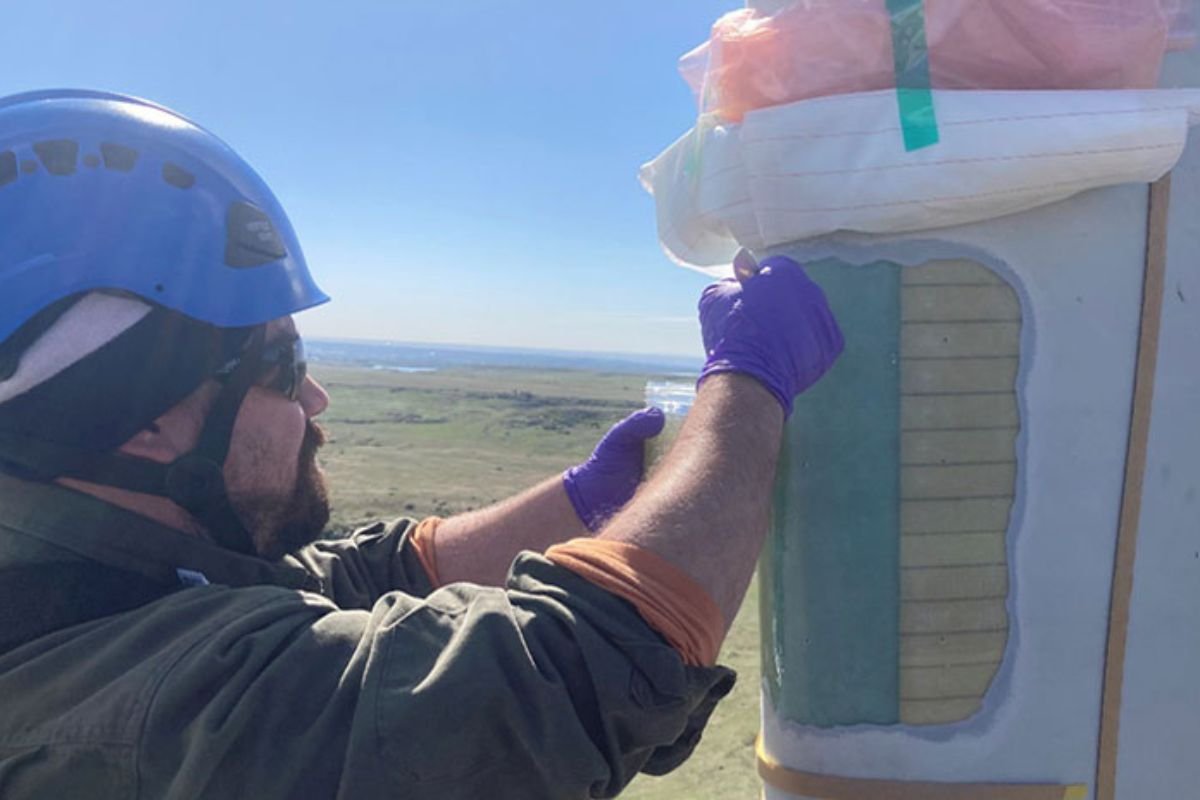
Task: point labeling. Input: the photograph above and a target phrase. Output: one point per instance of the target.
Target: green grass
(442, 443)
(450, 441)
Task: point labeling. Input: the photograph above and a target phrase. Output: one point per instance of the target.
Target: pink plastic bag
(813, 48)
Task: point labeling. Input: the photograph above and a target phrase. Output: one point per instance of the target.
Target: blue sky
(457, 171)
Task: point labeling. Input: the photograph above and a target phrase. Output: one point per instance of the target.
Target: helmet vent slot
(8, 167)
(250, 238)
(58, 156)
(177, 176)
(118, 157)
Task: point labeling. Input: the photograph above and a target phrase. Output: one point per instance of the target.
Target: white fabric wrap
(799, 171)
(87, 326)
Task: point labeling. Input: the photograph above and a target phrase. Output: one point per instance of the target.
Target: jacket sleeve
(552, 688)
(357, 570)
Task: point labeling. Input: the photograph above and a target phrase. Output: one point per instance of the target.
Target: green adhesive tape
(911, 50)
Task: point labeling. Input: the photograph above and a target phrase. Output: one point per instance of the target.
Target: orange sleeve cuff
(666, 596)
(424, 545)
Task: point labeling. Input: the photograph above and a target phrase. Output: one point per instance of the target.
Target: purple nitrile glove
(600, 486)
(775, 326)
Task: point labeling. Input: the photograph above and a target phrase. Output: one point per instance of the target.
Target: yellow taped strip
(831, 787)
(1154, 285)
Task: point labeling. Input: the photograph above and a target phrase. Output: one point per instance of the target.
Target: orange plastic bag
(813, 48)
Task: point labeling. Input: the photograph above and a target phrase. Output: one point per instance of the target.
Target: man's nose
(312, 397)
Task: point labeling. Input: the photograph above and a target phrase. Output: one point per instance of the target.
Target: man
(170, 626)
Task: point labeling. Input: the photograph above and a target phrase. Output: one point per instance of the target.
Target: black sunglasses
(284, 357)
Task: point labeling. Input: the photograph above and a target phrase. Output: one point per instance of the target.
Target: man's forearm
(706, 509)
(479, 546)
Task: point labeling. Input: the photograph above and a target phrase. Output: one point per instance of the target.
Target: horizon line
(597, 354)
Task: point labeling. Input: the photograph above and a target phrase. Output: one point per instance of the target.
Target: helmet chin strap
(195, 481)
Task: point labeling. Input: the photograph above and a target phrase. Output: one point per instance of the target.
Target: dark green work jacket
(138, 662)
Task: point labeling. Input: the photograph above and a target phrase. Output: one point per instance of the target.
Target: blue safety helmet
(104, 191)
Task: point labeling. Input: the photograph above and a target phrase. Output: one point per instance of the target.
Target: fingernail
(745, 266)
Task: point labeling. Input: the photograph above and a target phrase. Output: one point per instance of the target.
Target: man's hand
(479, 546)
(775, 327)
(600, 486)
(706, 510)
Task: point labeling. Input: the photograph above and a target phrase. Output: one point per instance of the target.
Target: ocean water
(407, 357)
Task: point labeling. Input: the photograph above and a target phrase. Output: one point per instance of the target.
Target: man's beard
(283, 527)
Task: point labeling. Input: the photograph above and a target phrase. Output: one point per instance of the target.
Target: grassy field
(449, 441)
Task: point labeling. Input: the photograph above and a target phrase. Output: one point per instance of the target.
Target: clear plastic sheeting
(675, 400)
(814, 167)
(816, 48)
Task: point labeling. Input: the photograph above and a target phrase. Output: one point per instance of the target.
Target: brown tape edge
(1131, 500)
(833, 787)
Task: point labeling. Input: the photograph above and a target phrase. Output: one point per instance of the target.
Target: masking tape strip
(831, 787)
(1131, 500)
(911, 56)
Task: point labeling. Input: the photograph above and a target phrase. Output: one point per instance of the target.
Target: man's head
(146, 338)
(73, 386)
(274, 480)
(271, 473)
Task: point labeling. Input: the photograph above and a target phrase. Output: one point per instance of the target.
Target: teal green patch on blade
(830, 575)
(911, 54)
